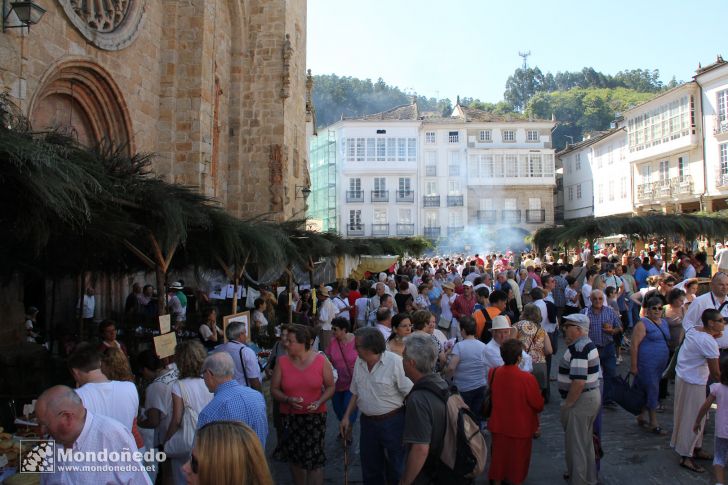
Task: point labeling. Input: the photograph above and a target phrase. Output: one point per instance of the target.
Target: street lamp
(28, 13)
(304, 190)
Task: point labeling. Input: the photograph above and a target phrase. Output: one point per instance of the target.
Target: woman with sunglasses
(650, 355)
(401, 327)
(227, 452)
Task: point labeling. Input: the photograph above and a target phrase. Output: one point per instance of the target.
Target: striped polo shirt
(580, 361)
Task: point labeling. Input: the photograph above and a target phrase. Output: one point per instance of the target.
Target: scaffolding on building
(321, 212)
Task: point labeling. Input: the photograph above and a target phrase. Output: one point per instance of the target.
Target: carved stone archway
(109, 24)
(79, 97)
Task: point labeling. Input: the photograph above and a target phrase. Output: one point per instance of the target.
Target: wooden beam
(139, 254)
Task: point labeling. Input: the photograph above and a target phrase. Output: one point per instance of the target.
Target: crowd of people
(385, 352)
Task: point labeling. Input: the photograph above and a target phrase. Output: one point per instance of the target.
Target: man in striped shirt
(578, 380)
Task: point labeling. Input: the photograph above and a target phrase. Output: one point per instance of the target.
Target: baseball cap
(468, 283)
(578, 319)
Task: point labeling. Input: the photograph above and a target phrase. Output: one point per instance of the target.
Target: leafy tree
(522, 85)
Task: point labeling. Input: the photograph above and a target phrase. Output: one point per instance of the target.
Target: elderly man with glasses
(604, 323)
(716, 298)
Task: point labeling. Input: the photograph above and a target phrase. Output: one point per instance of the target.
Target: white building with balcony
(713, 83)
(510, 171)
(665, 149)
(377, 162)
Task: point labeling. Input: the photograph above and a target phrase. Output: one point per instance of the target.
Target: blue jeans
(382, 451)
(340, 400)
(608, 363)
(474, 399)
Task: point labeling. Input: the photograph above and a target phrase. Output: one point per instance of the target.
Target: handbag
(444, 323)
(180, 444)
(488, 399)
(631, 396)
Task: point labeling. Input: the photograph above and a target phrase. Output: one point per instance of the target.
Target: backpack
(486, 336)
(464, 450)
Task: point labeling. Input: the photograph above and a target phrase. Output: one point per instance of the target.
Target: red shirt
(353, 296)
(462, 306)
(516, 401)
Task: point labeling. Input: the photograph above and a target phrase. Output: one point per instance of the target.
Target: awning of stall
(372, 264)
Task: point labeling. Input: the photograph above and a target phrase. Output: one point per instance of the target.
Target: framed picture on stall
(243, 317)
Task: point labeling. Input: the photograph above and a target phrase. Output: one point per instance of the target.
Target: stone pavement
(632, 455)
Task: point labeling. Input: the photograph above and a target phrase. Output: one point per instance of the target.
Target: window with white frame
(453, 137)
(485, 136)
(431, 219)
(646, 174)
(391, 148)
(611, 190)
(411, 149)
(431, 157)
(380, 185)
(571, 192)
(405, 216)
(381, 149)
(351, 149)
(723, 106)
(454, 167)
(371, 149)
(487, 166)
(682, 167)
(535, 166)
(453, 187)
(380, 216)
(431, 187)
(360, 149)
(664, 170)
(405, 185)
(600, 193)
(355, 219)
(724, 158)
(510, 204)
(430, 137)
(485, 204)
(623, 187)
(455, 218)
(531, 135)
(355, 184)
(499, 169)
(401, 149)
(578, 161)
(578, 191)
(511, 165)
(534, 203)
(666, 122)
(508, 135)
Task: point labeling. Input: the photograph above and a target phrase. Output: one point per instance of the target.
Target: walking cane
(346, 461)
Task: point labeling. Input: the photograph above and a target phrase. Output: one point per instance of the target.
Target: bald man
(61, 413)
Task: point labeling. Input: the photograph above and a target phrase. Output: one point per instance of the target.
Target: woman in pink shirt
(342, 353)
(297, 383)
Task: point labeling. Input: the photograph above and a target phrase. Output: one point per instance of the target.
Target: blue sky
(446, 48)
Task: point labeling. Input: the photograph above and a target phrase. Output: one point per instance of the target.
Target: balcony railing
(432, 232)
(535, 216)
(665, 189)
(721, 127)
(431, 170)
(512, 216)
(453, 138)
(355, 196)
(355, 229)
(455, 230)
(431, 201)
(380, 196)
(454, 200)
(405, 195)
(488, 216)
(405, 229)
(380, 229)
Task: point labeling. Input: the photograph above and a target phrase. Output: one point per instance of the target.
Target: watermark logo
(40, 457)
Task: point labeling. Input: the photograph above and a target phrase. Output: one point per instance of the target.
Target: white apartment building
(578, 182)
(442, 180)
(713, 83)
(377, 162)
(403, 173)
(665, 149)
(611, 171)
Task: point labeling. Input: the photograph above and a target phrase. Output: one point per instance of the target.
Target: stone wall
(215, 88)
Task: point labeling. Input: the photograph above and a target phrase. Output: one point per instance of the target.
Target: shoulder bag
(180, 444)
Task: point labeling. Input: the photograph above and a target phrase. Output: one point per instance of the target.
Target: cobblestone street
(632, 455)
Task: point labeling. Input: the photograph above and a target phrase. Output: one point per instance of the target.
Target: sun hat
(467, 283)
(501, 322)
(176, 286)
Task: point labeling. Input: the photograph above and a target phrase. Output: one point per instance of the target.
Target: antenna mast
(525, 58)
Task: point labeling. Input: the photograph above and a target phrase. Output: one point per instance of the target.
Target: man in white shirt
(326, 312)
(378, 387)
(247, 369)
(502, 331)
(73, 427)
(341, 301)
(384, 322)
(87, 306)
(114, 399)
(688, 270)
(715, 299)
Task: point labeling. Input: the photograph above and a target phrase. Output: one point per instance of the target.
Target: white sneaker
(619, 360)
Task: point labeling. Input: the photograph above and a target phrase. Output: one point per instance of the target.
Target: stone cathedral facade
(216, 89)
